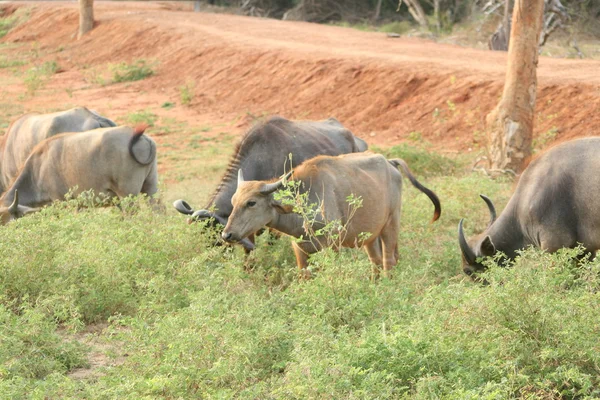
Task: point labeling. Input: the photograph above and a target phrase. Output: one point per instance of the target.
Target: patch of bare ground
(103, 353)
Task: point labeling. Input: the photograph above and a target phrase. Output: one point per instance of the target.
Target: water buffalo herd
(350, 197)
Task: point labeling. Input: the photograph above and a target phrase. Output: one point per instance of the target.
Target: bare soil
(385, 90)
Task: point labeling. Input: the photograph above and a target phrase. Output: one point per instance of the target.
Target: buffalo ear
(281, 208)
(487, 247)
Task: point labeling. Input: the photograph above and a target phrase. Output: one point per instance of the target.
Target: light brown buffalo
(113, 161)
(329, 181)
(30, 129)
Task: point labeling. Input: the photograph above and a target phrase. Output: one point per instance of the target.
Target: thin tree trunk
(86, 17)
(511, 123)
(377, 11)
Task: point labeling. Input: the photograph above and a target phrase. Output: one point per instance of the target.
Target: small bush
(124, 72)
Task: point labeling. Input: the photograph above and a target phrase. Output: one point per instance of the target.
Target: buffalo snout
(230, 237)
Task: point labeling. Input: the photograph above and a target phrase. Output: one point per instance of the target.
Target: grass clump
(7, 23)
(399, 27)
(37, 77)
(142, 116)
(186, 93)
(6, 62)
(421, 161)
(136, 71)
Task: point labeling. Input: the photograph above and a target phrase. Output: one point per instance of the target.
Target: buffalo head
(15, 211)
(202, 215)
(253, 207)
(480, 246)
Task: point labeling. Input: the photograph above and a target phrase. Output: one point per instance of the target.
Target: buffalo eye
(251, 203)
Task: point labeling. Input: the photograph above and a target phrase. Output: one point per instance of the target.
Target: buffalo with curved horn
(267, 151)
(328, 182)
(555, 205)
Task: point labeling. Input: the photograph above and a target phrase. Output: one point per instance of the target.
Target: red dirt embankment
(383, 89)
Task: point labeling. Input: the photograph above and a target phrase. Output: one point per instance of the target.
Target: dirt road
(386, 90)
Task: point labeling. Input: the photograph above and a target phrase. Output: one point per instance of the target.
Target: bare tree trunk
(197, 5)
(415, 9)
(436, 15)
(377, 11)
(86, 17)
(511, 123)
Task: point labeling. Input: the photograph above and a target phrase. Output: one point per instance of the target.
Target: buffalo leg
(389, 241)
(303, 250)
(375, 255)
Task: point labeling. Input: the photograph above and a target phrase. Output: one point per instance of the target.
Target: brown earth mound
(385, 90)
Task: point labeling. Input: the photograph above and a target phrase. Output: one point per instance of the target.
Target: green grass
(6, 62)
(399, 27)
(186, 93)
(142, 116)
(136, 71)
(198, 321)
(37, 77)
(6, 24)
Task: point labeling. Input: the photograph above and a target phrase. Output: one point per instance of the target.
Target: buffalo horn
(490, 207)
(14, 207)
(269, 188)
(240, 176)
(464, 246)
(183, 207)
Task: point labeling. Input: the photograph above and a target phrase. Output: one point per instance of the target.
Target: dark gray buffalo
(555, 205)
(264, 153)
(30, 129)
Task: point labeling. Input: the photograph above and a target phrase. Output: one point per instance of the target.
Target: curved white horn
(14, 207)
(269, 188)
(240, 176)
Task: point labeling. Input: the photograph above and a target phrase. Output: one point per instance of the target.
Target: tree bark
(415, 9)
(377, 11)
(86, 17)
(511, 123)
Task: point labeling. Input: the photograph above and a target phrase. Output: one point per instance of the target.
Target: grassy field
(128, 304)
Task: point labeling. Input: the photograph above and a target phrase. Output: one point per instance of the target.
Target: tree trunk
(86, 17)
(511, 123)
(415, 9)
(377, 11)
(436, 15)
